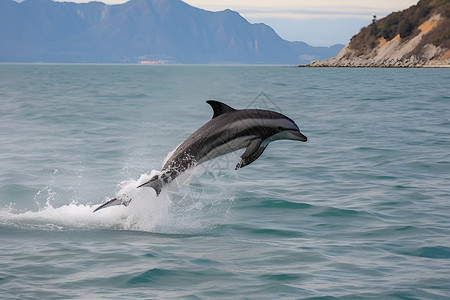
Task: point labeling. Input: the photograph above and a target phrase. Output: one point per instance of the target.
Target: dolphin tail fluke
(115, 201)
(156, 183)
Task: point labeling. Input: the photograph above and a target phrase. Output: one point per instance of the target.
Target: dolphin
(229, 130)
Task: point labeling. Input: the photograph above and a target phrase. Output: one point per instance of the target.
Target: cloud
(319, 22)
(306, 9)
(297, 9)
(305, 4)
(306, 15)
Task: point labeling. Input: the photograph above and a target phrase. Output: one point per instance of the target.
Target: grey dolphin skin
(229, 130)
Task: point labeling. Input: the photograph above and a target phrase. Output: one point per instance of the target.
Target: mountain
(416, 37)
(141, 30)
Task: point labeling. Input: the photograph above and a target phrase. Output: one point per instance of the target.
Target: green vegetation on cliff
(405, 24)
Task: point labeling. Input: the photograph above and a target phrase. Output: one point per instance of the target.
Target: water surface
(360, 211)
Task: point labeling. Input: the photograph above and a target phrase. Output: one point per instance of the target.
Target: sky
(316, 22)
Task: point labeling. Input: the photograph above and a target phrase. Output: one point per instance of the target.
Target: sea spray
(180, 208)
(143, 214)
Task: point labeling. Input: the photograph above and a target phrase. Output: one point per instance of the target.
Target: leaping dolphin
(229, 130)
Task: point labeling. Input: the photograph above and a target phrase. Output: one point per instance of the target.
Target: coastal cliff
(416, 37)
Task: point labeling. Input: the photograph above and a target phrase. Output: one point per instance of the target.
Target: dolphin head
(286, 129)
(269, 125)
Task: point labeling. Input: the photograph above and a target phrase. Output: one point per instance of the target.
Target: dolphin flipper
(123, 200)
(156, 183)
(253, 151)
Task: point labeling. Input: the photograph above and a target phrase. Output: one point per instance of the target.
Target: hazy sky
(317, 22)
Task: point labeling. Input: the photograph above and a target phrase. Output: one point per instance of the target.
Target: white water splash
(146, 212)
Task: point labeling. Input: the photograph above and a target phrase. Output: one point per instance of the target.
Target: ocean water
(360, 211)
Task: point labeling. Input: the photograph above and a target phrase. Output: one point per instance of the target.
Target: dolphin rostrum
(229, 130)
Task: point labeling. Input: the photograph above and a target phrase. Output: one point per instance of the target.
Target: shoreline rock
(412, 51)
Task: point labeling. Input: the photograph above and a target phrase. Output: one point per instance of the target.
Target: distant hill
(416, 37)
(141, 30)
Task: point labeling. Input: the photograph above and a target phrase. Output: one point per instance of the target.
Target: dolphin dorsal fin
(219, 108)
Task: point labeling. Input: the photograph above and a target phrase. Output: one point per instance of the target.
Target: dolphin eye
(280, 128)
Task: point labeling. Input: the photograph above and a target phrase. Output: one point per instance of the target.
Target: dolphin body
(229, 130)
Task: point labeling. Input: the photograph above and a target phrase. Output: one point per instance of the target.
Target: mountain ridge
(153, 30)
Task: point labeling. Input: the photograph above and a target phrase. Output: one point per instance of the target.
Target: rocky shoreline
(410, 52)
